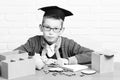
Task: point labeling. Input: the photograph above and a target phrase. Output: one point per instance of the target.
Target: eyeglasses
(56, 30)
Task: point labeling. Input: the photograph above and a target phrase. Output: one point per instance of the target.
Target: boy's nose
(51, 32)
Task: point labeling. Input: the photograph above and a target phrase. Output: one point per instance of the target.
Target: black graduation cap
(56, 12)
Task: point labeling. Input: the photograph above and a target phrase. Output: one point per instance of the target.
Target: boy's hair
(54, 17)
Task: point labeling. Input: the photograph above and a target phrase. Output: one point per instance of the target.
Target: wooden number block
(12, 55)
(102, 63)
(11, 69)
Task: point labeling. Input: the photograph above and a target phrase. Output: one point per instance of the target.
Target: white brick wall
(95, 23)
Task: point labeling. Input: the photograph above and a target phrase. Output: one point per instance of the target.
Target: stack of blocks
(15, 64)
(102, 63)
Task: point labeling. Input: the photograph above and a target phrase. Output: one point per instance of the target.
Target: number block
(12, 55)
(11, 69)
(102, 63)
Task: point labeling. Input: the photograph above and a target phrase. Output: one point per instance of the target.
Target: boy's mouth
(50, 37)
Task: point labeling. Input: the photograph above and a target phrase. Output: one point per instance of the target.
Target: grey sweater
(68, 48)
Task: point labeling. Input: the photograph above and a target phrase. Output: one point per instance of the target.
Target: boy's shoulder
(67, 40)
(37, 37)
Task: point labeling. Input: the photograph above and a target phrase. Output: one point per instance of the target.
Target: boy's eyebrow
(50, 27)
(45, 25)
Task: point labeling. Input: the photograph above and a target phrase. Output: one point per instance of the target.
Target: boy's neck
(49, 43)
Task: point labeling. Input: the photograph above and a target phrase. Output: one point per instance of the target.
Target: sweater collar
(58, 42)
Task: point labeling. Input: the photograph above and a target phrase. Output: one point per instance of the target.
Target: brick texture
(95, 23)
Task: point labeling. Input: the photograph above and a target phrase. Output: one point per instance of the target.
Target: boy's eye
(47, 27)
(56, 28)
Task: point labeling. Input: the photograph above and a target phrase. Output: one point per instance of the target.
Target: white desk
(40, 75)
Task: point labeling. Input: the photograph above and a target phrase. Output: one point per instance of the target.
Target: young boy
(51, 47)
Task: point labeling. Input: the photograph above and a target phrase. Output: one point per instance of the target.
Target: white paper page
(75, 67)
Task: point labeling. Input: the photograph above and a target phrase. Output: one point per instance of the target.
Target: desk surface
(40, 75)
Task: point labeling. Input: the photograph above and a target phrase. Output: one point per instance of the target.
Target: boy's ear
(62, 30)
(41, 28)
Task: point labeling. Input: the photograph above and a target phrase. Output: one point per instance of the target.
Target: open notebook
(76, 67)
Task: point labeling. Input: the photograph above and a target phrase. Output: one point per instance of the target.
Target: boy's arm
(27, 47)
(84, 55)
(79, 54)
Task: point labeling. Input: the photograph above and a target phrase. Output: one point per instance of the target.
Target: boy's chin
(51, 41)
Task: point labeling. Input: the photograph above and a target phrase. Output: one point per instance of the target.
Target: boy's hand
(62, 61)
(38, 61)
(44, 59)
(50, 61)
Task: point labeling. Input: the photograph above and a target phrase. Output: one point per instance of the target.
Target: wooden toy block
(11, 69)
(102, 63)
(12, 55)
(0, 68)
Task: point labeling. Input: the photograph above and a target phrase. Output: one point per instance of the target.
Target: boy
(51, 47)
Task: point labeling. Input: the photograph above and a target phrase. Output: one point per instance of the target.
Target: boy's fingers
(62, 61)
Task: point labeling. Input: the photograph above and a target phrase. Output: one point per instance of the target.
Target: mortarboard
(56, 12)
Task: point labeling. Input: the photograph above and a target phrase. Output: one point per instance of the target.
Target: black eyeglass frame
(56, 30)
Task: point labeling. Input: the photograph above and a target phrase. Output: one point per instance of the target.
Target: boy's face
(52, 29)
